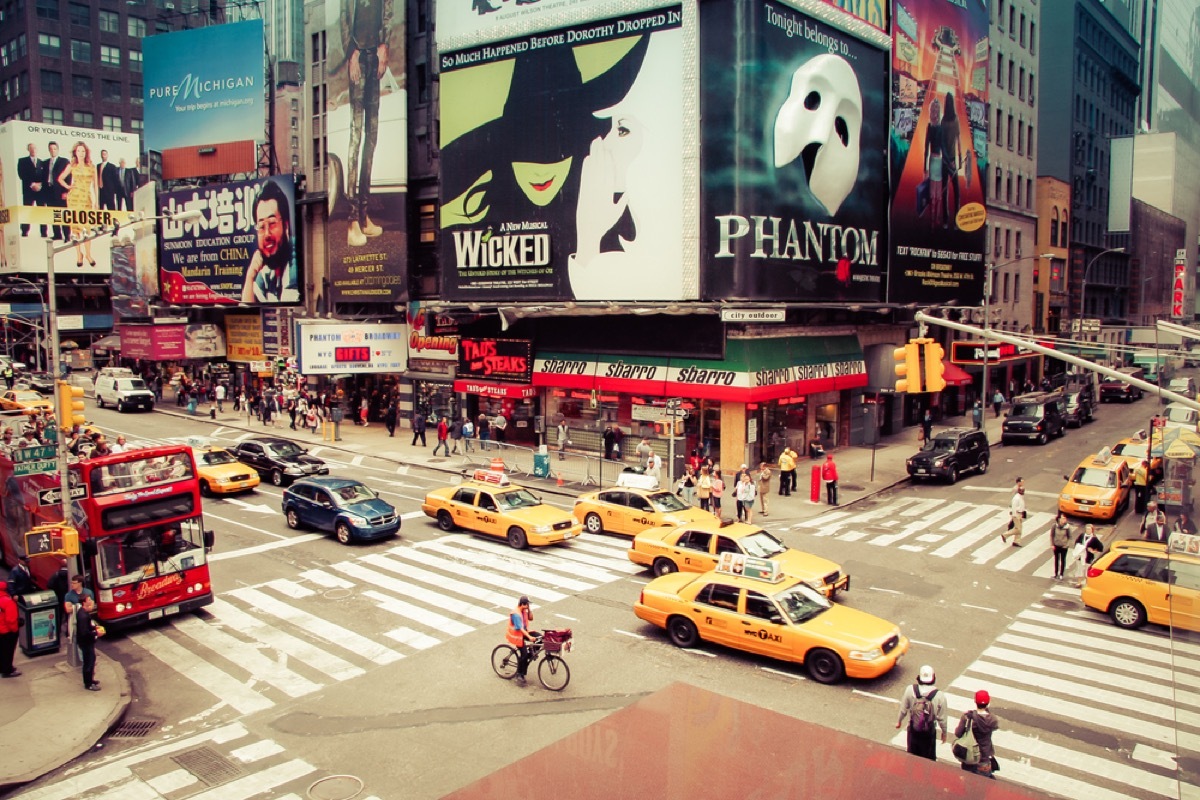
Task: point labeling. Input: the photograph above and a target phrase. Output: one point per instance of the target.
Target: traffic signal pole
(997, 336)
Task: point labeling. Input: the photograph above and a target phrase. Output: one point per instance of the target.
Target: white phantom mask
(821, 122)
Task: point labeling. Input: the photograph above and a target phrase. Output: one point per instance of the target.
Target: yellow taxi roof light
(760, 569)
(494, 477)
(1104, 456)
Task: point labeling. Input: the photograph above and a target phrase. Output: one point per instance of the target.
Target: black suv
(279, 460)
(949, 453)
(1035, 418)
(1079, 405)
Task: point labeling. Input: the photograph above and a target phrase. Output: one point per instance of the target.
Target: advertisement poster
(795, 173)
(872, 12)
(562, 166)
(243, 337)
(432, 342)
(366, 123)
(467, 22)
(939, 151)
(336, 349)
(496, 359)
(50, 188)
(135, 259)
(152, 342)
(242, 250)
(193, 96)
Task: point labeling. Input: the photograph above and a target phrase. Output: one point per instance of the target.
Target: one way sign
(52, 497)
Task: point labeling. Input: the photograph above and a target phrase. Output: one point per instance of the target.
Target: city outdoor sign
(972, 352)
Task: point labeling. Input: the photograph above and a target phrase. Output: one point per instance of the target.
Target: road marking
(337, 668)
(704, 653)
(519, 569)
(927, 644)
(263, 548)
(784, 673)
(874, 696)
(1152, 755)
(449, 584)
(255, 507)
(412, 514)
(630, 634)
(414, 639)
(418, 614)
(978, 608)
(1007, 490)
(357, 461)
(323, 578)
(290, 588)
(517, 587)
(435, 599)
(257, 782)
(205, 675)
(257, 751)
(564, 616)
(885, 591)
(246, 656)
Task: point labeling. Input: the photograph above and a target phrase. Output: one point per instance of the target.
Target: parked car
(349, 509)
(279, 460)
(123, 392)
(1138, 582)
(26, 401)
(42, 382)
(1113, 390)
(1180, 416)
(949, 453)
(1036, 417)
(1183, 386)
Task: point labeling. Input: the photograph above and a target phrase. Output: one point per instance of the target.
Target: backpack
(468, 429)
(923, 718)
(965, 748)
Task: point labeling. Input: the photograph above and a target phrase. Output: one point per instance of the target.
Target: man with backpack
(925, 708)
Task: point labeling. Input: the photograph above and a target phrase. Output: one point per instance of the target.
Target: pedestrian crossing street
(257, 646)
(1087, 709)
(945, 529)
(224, 763)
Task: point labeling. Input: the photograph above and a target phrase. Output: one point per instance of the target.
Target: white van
(123, 391)
(1180, 416)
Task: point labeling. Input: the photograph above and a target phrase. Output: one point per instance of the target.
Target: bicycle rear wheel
(554, 673)
(504, 661)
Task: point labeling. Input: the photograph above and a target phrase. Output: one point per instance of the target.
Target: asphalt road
(321, 661)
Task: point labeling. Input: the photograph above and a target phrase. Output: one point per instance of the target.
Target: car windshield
(519, 498)
(1093, 476)
(761, 544)
(27, 397)
(665, 501)
(1138, 451)
(214, 457)
(285, 449)
(354, 493)
(132, 384)
(939, 446)
(1184, 415)
(801, 603)
(1027, 410)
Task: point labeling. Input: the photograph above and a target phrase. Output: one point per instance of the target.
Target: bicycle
(553, 672)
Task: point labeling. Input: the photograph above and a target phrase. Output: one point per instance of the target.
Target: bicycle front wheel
(504, 661)
(554, 673)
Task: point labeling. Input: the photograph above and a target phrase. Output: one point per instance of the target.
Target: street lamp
(1083, 284)
(41, 303)
(989, 274)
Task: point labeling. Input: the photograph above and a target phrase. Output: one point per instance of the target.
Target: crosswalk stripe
(246, 656)
(414, 639)
(435, 599)
(329, 631)
(510, 565)
(417, 614)
(203, 674)
(991, 523)
(1104, 628)
(323, 578)
(257, 751)
(1098, 658)
(445, 583)
(264, 780)
(172, 781)
(970, 516)
(130, 790)
(289, 587)
(994, 547)
(517, 587)
(337, 668)
(605, 562)
(926, 518)
(545, 561)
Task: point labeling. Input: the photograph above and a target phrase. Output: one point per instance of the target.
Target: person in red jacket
(829, 474)
(8, 634)
(443, 433)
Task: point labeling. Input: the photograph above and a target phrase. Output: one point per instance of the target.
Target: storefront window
(827, 425)
(784, 423)
(435, 398)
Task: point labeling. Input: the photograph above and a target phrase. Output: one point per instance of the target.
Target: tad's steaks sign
(496, 359)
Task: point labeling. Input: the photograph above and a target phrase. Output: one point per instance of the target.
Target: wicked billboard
(562, 166)
(795, 173)
(939, 151)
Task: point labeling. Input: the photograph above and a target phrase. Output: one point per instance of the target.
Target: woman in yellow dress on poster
(79, 179)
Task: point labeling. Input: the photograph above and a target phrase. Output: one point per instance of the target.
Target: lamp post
(42, 360)
(1083, 284)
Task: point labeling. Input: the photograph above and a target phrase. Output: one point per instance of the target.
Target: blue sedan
(347, 508)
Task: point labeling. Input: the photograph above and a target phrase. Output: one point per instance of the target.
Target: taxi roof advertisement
(939, 151)
(794, 195)
(334, 349)
(562, 164)
(241, 250)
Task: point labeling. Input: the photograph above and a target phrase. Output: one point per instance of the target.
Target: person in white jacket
(745, 494)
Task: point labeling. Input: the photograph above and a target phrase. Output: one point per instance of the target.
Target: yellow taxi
(1098, 488)
(628, 510)
(490, 504)
(1138, 582)
(1135, 450)
(27, 401)
(750, 604)
(698, 547)
(221, 473)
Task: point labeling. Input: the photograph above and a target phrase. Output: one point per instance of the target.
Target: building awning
(954, 374)
(518, 391)
(753, 370)
(111, 342)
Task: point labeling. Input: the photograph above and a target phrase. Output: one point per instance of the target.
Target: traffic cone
(559, 476)
(498, 464)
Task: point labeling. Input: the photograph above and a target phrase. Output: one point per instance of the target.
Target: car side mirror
(1066, 478)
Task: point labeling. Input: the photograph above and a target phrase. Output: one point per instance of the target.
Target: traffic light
(70, 406)
(908, 367)
(935, 368)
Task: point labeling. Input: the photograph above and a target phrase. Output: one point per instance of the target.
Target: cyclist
(521, 637)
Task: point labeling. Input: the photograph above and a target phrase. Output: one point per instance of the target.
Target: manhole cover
(336, 787)
(337, 594)
(1063, 605)
(133, 729)
(208, 765)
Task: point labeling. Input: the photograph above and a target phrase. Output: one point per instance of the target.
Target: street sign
(753, 315)
(39, 453)
(52, 497)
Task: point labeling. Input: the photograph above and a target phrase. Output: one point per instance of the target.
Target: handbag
(965, 748)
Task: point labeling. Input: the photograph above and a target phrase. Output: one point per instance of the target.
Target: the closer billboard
(242, 249)
(335, 349)
(939, 151)
(795, 172)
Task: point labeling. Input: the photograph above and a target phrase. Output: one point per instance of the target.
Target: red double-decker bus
(143, 547)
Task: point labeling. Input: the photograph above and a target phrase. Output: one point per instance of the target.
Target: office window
(136, 27)
(1018, 244)
(1012, 22)
(1031, 84)
(80, 14)
(1020, 185)
(1011, 73)
(1021, 33)
(996, 192)
(81, 86)
(999, 128)
(135, 94)
(49, 45)
(135, 125)
(1000, 70)
(1054, 226)
(135, 60)
(1009, 131)
(1016, 288)
(422, 83)
(110, 22)
(1004, 280)
(162, 26)
(1008, 190)
(112, 123)
(22, 46)
(1029, 193)
(295, 142)
(81, 51)
(1021, 83)
(427, 211)
(1032, 38)
(110, 90)
(1020, 139)
(1062, 231)
(83, 118)
(110, 56)
(52, 116)
(1007, 243)
(52, 81)
(295, 123)
(47, 9)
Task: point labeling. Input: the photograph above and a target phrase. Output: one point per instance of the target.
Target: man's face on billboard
(270, 227)
(53, 150)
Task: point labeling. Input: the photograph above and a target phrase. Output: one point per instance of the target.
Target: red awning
(519, 391)
(955, 375)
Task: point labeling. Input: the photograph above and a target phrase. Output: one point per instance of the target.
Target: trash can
(39, 613)
(541, 465)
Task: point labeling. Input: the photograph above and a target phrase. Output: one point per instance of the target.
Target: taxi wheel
(682, 632)
(824, 666)
(445, 521)
(664, 566)
(593, 524)
(343, 533)
(516, 538)
(1127, 613)
(205, 489)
